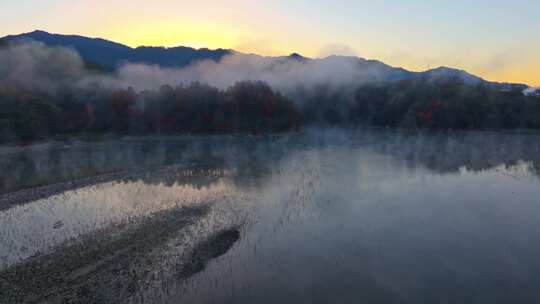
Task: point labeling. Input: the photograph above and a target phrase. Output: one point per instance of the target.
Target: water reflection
(44, 164)
(325, 216)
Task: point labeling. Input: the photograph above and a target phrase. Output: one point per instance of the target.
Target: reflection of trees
(247, 162)
(476, 151)
(19, 166)
(198, 176)
(199, 162)
(43, 165)
(245, 166)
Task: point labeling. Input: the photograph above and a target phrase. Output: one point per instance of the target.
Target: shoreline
(83, 139)
(25, 196)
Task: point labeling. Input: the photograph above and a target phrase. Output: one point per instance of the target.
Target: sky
(497, 40)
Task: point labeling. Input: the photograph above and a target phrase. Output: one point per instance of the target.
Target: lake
(323, 216)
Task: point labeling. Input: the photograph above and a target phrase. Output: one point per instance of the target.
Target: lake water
(326, 216)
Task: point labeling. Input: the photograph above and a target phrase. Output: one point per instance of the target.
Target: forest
(29, 112)
(432, 104)
(251, 107)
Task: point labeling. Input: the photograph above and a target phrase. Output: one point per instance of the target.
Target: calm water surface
(324, 216)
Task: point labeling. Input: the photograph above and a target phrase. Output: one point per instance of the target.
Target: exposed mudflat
(111, 266)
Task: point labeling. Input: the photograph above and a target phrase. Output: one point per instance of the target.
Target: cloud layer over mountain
(57, 60)
(36, 65)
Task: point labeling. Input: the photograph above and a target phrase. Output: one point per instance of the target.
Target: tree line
(434, 104)
(254, 107)
(247, 107)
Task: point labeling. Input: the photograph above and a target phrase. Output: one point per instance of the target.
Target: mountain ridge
(112, 54)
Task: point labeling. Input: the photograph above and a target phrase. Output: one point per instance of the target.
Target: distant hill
(445, 72)
(111, 54)
(108, 54)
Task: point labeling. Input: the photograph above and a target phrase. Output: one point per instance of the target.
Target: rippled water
(325, 216)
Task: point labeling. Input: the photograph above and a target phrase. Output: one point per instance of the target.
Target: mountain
(109, 54)
(445, 72)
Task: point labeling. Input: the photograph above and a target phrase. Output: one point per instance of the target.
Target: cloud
(41, 67)
(337, 49)
(281, 73)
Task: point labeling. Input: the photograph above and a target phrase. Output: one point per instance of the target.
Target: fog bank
(37, 66)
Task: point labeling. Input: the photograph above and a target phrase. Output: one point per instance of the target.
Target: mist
(46, 91)
(38, 66)
(283, 73)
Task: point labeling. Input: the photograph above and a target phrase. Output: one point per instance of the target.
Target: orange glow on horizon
(491, 39)
(215, 37)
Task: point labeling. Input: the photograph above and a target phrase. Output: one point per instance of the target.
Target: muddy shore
(112, 265)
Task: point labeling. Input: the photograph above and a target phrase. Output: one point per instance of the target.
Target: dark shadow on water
(214, 247)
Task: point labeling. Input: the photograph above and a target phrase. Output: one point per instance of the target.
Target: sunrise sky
(498, 40)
